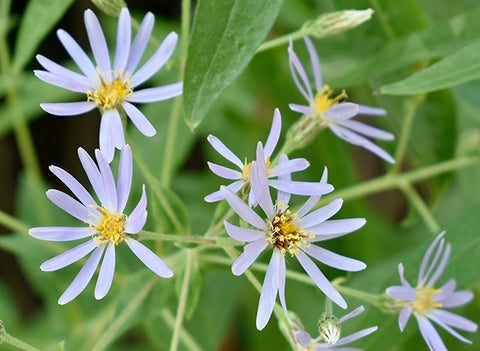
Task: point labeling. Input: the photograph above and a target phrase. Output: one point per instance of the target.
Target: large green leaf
(435, 41)
(39, 18)
(452, 70)
(224, 38)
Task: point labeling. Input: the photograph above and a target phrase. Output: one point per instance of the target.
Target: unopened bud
(336, 22)
(329, 328)
(110, 7)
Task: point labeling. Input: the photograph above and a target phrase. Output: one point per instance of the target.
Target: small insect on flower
(108, 226)
(330, 329)
(326, 110)
(241, 177)
(288, 232)
(427, 302)
(111, 89)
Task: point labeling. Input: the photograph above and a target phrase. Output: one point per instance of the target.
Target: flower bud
(329, 328)
(110, 7)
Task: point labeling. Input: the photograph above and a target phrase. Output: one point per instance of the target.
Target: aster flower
(107, 225)
(288, 232)
(111, 88)
(329, 111)
(427, 302)
(241, 177)
(330, 331)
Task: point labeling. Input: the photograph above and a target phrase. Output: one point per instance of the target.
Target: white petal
(367, 130)
(250, 253)
(60, 233)
(97, 42)
(138, 217)
(68, 108)
(403, 293)
(320, 280)
(404, 316)
(268, 294)
(441, 267)
(289, 166)
(242, 209)
(157, 60)
(371, 111)
(61, 81)
(149, 259)
(69, 205)
(335, 260)
(224, 151)
(106, 143)
(110, 201)
(224, 172)
(430, 335)
(124, 181)
(341, 111)
(355, 336)
(140, 42)
(105, 276)
(356, 312)
(274, 134)
(402, 277)
(303, 109)
(428, 254)
(68, 257)
(303, 338)
(296, 67)
(456, 299)
(124, 35)
(336, 227)
(450, 330)
(66, 73)
(281, 280)
(157, 94)
(93, 174)
(243, 234)
(315, 61)
(453, 320)
(347, 135)
(83, 277)
(77, 54)
(259, 183)
(139, 119)
(301, 188)
(283, 197)
(322, 214)
(218, 195)
(77, 189)
(312, 201)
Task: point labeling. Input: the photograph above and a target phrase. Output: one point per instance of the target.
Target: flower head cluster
(111, 88)
(330, 329)
(427, 302)
(281, 171)
(288, 233)
(331, 111)
(107, 225)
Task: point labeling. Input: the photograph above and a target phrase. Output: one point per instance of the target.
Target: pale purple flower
(107, 225)
(330, 111)
(241, 176)
(427, 302)
(111, 88)
(330, 335)
(288, 232)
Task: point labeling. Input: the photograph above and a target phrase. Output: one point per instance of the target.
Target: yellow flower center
(110, 227)
(285, 234)
(425, 302)
(110, 95)
(324, 100)
(248, 168)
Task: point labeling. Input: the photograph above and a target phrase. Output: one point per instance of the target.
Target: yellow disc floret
(110, 95)
(424, 302)
(285, 234)
(110, 227)
(324, 100)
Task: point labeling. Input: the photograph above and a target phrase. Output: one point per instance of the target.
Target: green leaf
(224, 38)
(435, 41)
(452, 70)
(39, 18)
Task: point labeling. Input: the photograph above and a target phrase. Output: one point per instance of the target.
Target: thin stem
(177, 105)
(13, 341)
(283, 40)
(384, 23)
(361, 295)
(189, 342)
(421, 208)
(182, 302)
(156, 189)
(390, 181)
(411, 107)
(12, 223)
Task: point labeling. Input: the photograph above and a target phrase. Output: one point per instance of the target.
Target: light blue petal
(124, 36)
(138, 217)
(77, 54)
(139, 119)
(74, 185)
(60, 233)
(274, 134)
(335, 260)
(156, 94)
(242, 209)
(250, 253)
(68, 257)
(107, 270)
(140, 42)
(124, 182)
(70, 205)
(243, 234)
(98, 43)
(149, 259)
(68, 108)
(268, 294)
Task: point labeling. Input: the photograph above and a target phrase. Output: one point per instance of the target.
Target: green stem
(12, 223)
(384, 23)
(13, 341)
(156, 189)
(411, 107)
(421, 208)
(182, 302)
(361, 295)
(283, 40)
(189, 342)
(390, 181)
(201, 240)
(167, 168)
